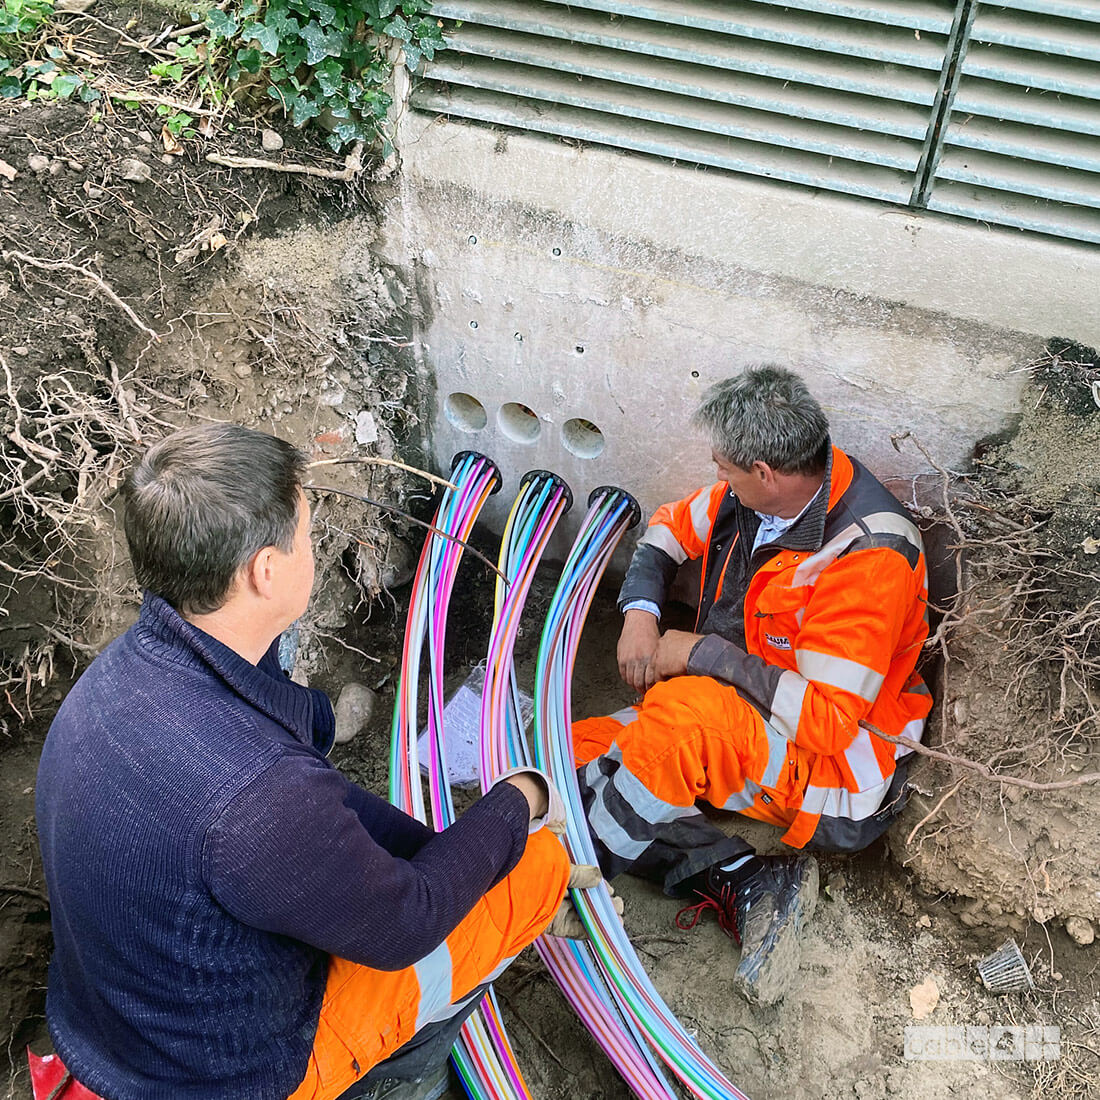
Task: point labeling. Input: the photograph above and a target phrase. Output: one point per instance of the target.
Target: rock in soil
(353, 711)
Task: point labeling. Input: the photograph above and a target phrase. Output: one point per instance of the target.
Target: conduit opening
(518, 422)
(465, 412)
(582, 438)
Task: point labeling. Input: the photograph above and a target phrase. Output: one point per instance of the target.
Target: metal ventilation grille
(1021, 145)
(885, 99)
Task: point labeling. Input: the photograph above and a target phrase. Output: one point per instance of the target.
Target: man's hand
(534, 790)
(671, 656)
(637, 644)
(567, 923)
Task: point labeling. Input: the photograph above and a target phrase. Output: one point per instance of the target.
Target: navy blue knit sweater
(203, 861)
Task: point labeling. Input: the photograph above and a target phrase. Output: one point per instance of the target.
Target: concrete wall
(596, 286)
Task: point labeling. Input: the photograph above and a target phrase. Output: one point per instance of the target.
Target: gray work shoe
(765, 914)
(430, 1087)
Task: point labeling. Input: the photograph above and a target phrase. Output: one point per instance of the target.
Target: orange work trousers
(642, 770)
(367, 1015)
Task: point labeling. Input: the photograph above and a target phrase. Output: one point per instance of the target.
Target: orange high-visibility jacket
(816, 631)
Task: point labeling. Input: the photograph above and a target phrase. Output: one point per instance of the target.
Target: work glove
(567, 923)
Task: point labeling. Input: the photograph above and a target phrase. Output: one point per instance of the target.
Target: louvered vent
(835, 94)
(1022, 142)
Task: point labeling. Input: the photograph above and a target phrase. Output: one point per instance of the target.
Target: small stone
(366, 431)
(167, 158)
(59, 301)
(399, 566)
(1080, 930)
(925, 921)
(271, 141)
(923, 998)
(57, 167)
(136, 170)
(95, 192)
(145, 136)
(353, 711)
(21, 350)
(242, 370)
(38, 163)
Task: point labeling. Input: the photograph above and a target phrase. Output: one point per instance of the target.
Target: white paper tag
(462, 730)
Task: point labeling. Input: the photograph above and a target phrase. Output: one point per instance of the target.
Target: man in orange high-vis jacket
(812, 614)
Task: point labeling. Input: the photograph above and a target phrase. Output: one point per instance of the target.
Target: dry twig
(353, 165)
(982, 769)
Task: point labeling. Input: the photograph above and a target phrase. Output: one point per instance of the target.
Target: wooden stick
(353, 165)
(371, 460)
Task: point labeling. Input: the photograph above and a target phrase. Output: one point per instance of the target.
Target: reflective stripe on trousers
(642, 770)
(368, 1014)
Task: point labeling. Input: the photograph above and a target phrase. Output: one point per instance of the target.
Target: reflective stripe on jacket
(834, 617)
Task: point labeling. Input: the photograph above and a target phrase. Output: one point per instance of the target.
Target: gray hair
(766, 415)
(201, 502)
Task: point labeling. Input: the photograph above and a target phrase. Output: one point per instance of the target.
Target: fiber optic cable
(482, 1054)
(611, 513)
(536, 510)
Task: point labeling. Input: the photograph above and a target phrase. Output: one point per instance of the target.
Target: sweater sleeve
(393, 829)
(295, 854)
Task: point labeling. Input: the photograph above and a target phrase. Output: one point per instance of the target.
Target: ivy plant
(325, 60)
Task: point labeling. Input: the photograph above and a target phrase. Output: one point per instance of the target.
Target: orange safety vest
(835, 615)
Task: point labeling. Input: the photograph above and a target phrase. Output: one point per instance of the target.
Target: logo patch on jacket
(777, 643)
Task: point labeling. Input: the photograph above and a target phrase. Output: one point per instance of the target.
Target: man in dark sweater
(232, 917)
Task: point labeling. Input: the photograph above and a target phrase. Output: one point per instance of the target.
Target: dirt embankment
(133, 301)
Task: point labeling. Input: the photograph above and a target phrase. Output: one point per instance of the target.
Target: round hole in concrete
(518, 422)
(473, 324)
(579, 349)
(582, 438)
(465, 412)
(472, 239)
(694, 374)
(556, 251)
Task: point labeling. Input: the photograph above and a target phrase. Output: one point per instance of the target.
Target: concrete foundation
(576, 302)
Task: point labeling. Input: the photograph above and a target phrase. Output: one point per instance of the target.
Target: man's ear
(259, 573)
(764, 472)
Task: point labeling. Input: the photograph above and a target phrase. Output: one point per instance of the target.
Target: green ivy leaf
(320, 43)
(302, 110)
(88, 94)
(250, 60)
(399, 29)
(330, 76)
(266, 37)
(65, 85)
(221, 24)
(10, 87)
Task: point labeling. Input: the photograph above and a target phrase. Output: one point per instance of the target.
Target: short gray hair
(766, 414)
(201, 502)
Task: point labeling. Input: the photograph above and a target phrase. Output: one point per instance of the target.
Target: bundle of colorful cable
(482, 1054)
(542, 500)
(611, 513)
